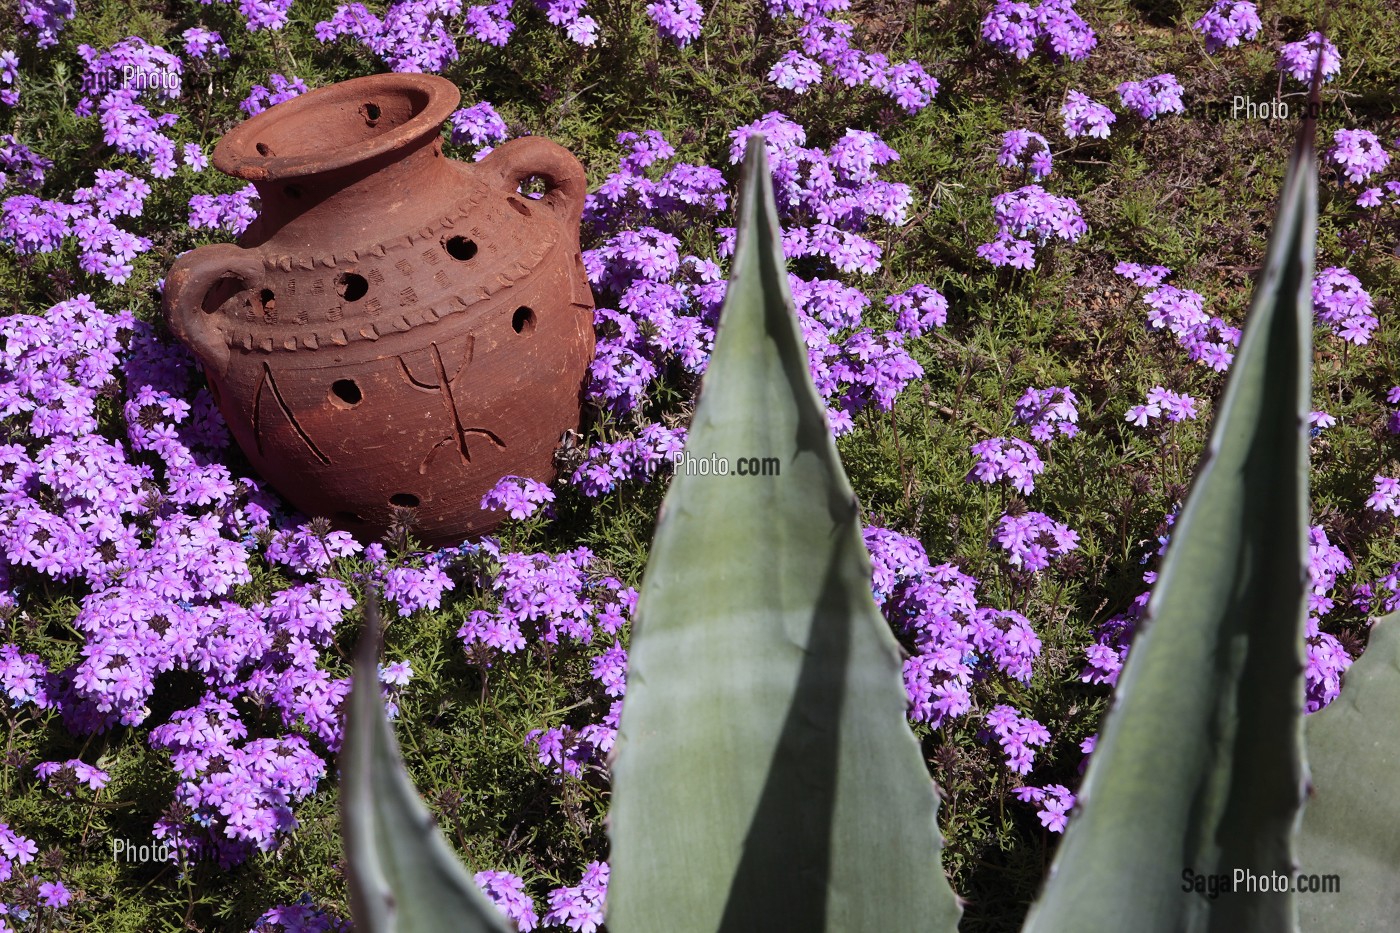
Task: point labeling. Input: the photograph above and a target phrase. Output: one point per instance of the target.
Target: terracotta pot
(395, 328)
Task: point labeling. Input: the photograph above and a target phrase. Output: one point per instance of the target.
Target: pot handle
(518, 159)
(185, 297)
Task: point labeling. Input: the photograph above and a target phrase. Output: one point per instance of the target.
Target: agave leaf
(404, 878)
(1351, 826)
(764, 776)
(1199, 766)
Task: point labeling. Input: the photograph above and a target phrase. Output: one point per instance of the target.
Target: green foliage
(764, 776)
(1349, 825)
(1200, 762)
(403, 876)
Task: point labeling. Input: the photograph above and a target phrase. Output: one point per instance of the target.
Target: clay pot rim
(236, 154)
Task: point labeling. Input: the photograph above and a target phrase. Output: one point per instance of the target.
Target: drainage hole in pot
(523, 320)
(345, 393)
(349, 517)
(520, 206)
(269, 303)
(351, 286)
(264, 149)
(459, 248)
(371, 113)
(533, 188)
(405, 500)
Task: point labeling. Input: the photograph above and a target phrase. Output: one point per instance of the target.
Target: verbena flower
(1027, 151)
(1154, 97)
(1084, 116)
(1030, 212)
(1227, 22)
(1016, 28)
(1017, 735)
(1162, 402)
(1049, 411)
(580, 907)
(1340, 302)
(1032, 538)
(677, 20)
(519, 496)
(1298, 59)
(1011, 459)
(261, 98)
(1055, 802)
(43, 20)
(507, 892)
(1358, 154)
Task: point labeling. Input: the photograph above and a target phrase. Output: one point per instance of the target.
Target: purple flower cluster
(1049, 411)
(1015, 28)
(1084, 116)
(1227, 22)
(1002, 458)
(1385, 497)
(1342, 304)
(478, 125)
(520, 496)
(1160, 402)
(1373, 197)
(957, 642)
(201, 42)
(160, 543)
(1153, 97)
(507, 892)
(1358, 154)
(827, 42)
(1031, 538)
(919, 309)
(544, 598)
(35, 225)
(1017, 734)
(302, 917)
(25, 165)
(1028, 212)
(677, 20)
(264, 14)
(635, 459)
(1181, 312)
(231, 213)
(261, 98)
(413, 35)
(17, 851)
(71, 773)
(1299, 59)
(1055, 801)
(9, 77)
(569, 14)
(43, 20)
(580, 907)
(248, 786)
(658, 308)
(1326, 658)
(1027, 151)
(116, 82)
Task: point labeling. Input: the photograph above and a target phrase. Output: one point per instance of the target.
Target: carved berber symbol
(433, 369)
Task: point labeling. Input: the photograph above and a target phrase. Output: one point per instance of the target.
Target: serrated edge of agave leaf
(1339, 780)
(1070, 887)
(382, 816)
(758, 250)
